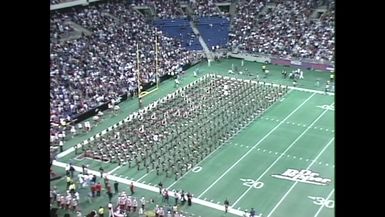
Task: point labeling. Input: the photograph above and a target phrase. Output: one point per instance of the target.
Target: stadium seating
(179, 29)
(286, 30)
(104, 49)
(107, 56)
(214, 30)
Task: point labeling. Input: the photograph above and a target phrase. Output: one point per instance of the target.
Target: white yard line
(291, 188)
(311, 91)
(290, 87)
(322, 206)
(144, 176)
(66, 152)
(152, 188)
(259, 142)
(113, 170)
(221, 145)
(72, 149)
(281, 155)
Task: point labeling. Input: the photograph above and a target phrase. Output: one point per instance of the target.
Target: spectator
(285, 31)
(80, 66)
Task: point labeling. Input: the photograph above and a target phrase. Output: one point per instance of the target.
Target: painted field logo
(305, 176)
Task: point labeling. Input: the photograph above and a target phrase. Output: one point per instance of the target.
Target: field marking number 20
(252, 183)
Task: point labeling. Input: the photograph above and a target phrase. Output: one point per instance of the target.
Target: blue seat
(179, 29)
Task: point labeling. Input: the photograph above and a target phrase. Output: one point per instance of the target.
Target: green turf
(258, 161)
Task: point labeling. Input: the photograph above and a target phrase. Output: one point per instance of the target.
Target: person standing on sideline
(143, 202)
(83, 169)
(106, 181)
(327, 87)
(140, 102)
(69, 180)
(226, 205)
(110, 210)
(101, 211)
(101, 170)
(252, 212)
(134, 204)
(189, 197)
(109, 192)
(116, 187)
(317, 82)
(98, 189)
(176, 198)
(72, 170)
(61, 144)
(160, 187)
(67, 169)
(132, 188)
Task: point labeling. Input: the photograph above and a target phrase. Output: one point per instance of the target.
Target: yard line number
(322, 202)
(252, 183)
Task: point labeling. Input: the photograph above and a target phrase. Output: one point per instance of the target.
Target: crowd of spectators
(172, 8)
(94, 69)
(205, 8)
(168, 9)
(59, 28)
(54, 2)
(286, 31)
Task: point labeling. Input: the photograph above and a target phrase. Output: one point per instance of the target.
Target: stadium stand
(179, 29)
(107, 56)
(214, 30)
(59, 1)
(285, 30)
(93, 63)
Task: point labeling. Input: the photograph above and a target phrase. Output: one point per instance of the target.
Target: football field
(281, 164)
